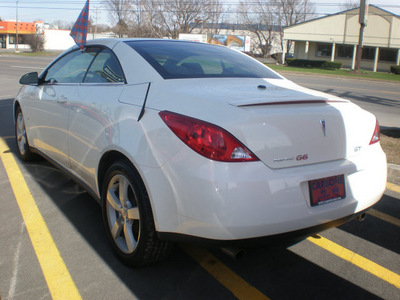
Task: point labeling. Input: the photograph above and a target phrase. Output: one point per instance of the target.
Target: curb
(394, 174)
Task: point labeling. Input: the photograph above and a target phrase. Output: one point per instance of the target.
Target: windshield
(172, 59)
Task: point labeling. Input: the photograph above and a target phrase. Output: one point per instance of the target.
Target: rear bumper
(287, 238)
(240, 201)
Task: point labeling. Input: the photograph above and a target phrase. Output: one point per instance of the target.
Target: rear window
(175, 59)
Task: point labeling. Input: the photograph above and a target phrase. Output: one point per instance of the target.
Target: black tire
(21, 138)
(128, 218)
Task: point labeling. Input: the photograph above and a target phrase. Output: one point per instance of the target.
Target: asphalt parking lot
(52, 242)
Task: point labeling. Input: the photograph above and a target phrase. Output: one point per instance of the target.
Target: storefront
(9, 32)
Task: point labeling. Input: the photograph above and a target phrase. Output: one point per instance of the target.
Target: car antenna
(144, 103)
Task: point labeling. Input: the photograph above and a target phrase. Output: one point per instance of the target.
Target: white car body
(299, 135)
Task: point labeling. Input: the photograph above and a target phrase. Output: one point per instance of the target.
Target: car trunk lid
(283, 124)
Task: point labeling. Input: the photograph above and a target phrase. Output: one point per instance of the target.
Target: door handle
(62, 99)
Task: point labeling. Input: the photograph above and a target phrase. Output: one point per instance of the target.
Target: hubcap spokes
(123, 213)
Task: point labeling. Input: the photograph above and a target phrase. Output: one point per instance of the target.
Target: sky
(68, 10)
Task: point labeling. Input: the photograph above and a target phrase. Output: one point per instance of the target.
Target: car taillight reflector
(209, 140)
(376, 137)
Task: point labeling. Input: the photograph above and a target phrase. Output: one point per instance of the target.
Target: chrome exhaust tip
(362, 217)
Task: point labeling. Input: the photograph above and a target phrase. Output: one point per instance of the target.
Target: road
(359, 260)
(379, 97)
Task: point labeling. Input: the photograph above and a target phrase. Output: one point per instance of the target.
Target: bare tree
(180, 16)
(103, 28)
(154, 19)
(215, 16)
(60, 24)
(147, 20)
(349, 4)
(120, 12)
(290, 12)
(36, 42)
(258, 18)
(158, 18)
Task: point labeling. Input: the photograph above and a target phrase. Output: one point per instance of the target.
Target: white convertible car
(183, 141)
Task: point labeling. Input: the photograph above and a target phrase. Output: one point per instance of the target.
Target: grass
(341, 72)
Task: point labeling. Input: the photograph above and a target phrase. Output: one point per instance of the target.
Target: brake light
(209, 140)
(376, 137)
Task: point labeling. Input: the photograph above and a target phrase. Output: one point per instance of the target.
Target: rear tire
(21, 138)
(128, 217)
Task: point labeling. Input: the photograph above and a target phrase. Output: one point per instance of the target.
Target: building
(237, 42)
(335, 38)
(8, 33)
(55, 39)
(228, 29)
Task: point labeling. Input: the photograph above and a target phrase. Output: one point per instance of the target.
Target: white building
(335, 38)
(55, 39)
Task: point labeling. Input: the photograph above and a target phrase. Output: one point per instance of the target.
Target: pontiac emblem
(322, 122)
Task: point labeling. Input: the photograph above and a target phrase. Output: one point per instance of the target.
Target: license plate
(327, 190)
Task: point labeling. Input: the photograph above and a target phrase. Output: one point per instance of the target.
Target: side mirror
(30, 79)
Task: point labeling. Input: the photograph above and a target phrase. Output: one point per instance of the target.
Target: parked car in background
(184, 141)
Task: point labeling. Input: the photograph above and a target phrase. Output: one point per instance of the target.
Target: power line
(251, 3)
(76, 5)
(143, 10)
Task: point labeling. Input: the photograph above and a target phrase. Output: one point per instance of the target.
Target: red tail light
(207, 139)
(376, 137)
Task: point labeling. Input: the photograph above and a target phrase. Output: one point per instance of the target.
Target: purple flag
(80, 29)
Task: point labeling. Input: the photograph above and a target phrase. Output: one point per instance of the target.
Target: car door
(49, 112)
(91, 125)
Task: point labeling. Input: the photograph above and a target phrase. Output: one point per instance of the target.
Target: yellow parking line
(384, 217)
(393, 187)
(357, 260)
(55, 272)
(233, 282)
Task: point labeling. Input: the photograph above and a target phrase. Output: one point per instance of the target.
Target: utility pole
(97, 15)
(363, 18)
(16, 29)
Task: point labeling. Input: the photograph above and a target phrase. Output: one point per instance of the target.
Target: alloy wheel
(123, 213)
